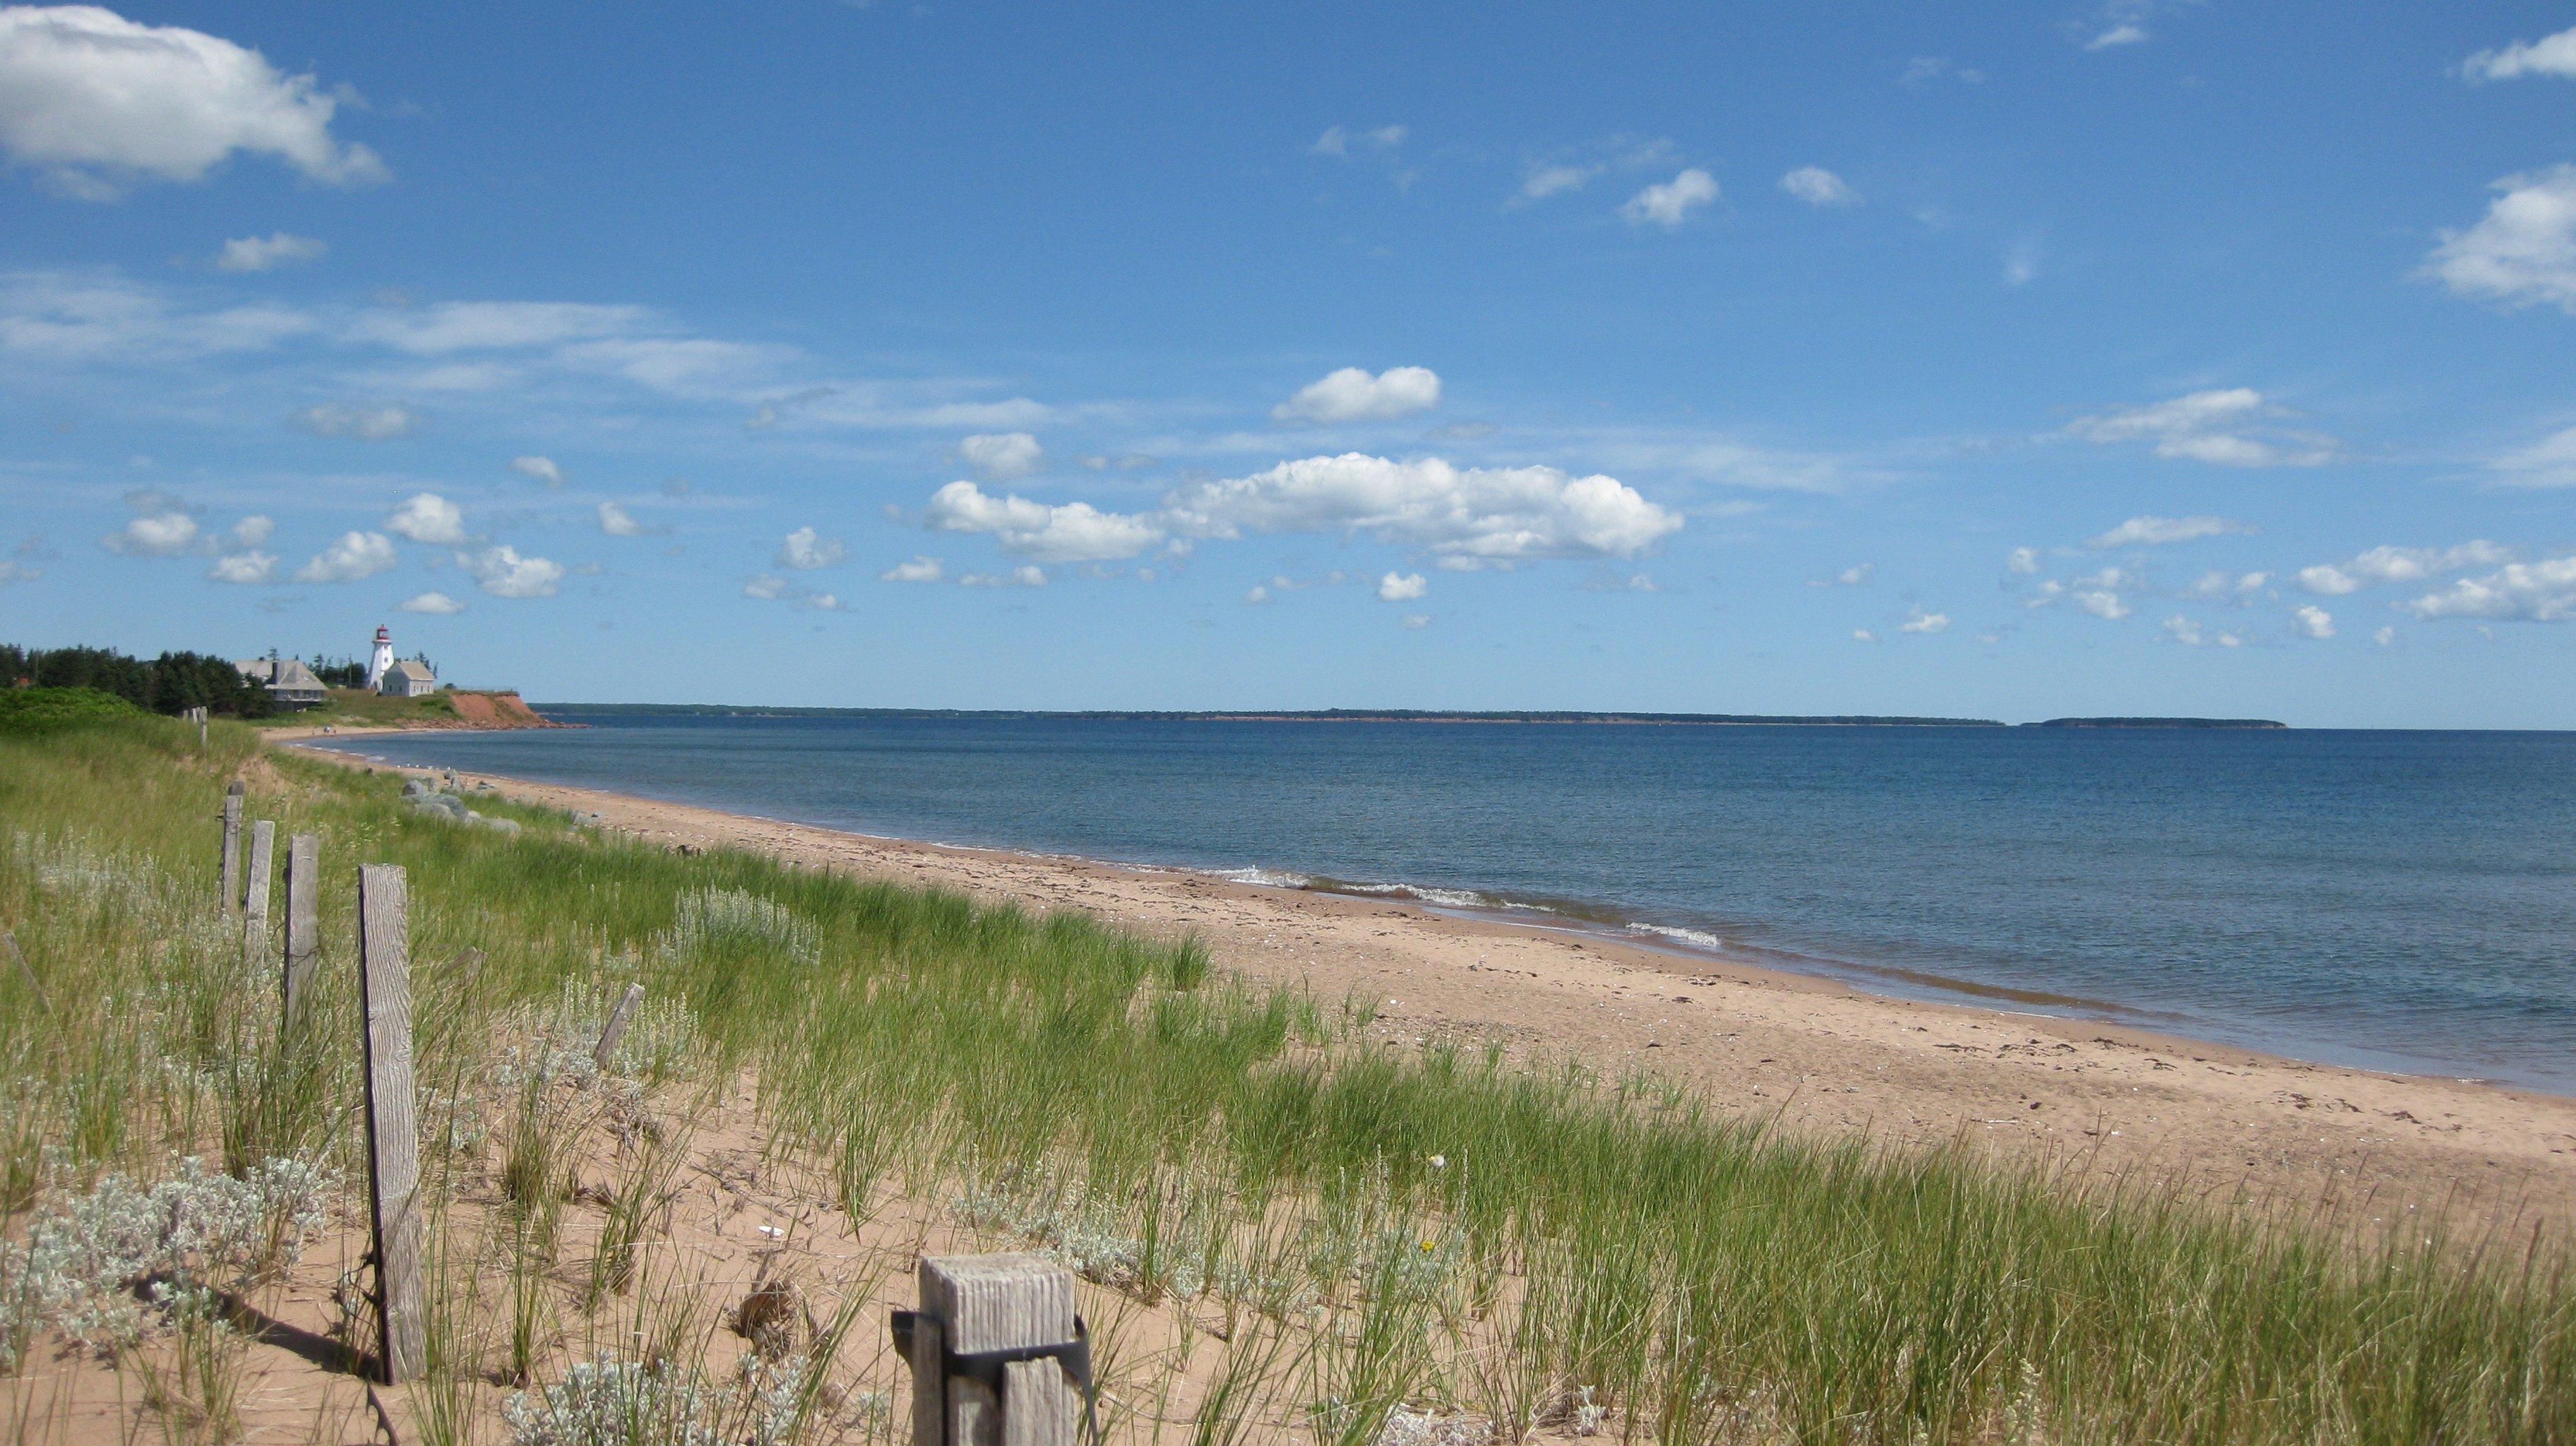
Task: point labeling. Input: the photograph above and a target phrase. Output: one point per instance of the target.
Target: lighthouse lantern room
(381, 661)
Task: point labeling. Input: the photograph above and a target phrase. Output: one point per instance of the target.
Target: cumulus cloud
(2225, 426)
(2023, 561)
(1669, 203)
(1548, 180)
(920, 569)
(2385, 637)
(1028, 575)
(355, 556)
(1819, 187)
(430, 518)
(455, 326)
(2216, 586)
(2313, 622)
(1071, 532)
(2101, 604)
(1467, 516)
(1001, 456)
(538, 469)
(1352, 395)
(1401, 587)
(2398, 564)
(2523, 252)
(805, 550)
(2549, 462)
(1919, 621)
(1256, 595)
(164, 531)
(2539, 592)
(766, 587)
(2552, 55)
(96, 100)
(1342, 142)
(502, 572)
(267, 253)
(367, 424)
(2165, 531)
(436, 604)
(1863, 635)
(616, 521)
(1853, 576)
(2190, 634)
(244, 568)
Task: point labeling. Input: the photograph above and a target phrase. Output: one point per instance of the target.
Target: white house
(410, 678)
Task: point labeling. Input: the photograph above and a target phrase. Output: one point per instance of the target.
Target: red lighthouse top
(384, 634)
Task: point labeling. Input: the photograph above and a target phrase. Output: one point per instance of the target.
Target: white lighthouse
(381, 661)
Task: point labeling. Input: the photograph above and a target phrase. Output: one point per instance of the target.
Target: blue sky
(2019, 361)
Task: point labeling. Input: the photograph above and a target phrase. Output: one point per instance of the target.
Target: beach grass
(1400, 1241)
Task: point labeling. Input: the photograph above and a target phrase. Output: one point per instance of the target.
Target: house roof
(292, 674)
(255, 669)
(413, 669)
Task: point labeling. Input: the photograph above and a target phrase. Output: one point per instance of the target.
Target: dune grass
(1395, 1239)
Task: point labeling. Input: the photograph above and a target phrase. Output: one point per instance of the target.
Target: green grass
(30, 710)
(1422, 1230)
(366, 708)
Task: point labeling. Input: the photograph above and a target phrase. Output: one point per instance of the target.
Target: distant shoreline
(1391, 715)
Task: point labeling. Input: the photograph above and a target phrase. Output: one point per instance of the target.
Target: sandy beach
(1811, 1054)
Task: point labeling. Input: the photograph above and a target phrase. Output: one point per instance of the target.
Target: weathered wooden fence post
(393, 1142)
(232, 846)
(998, 1356)
(615, 1029)
(303, 921)
(263, 848)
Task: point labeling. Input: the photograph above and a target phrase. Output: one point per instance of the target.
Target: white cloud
(367, 424)
(2540, 592)
(2399, 564)
(2188, 633)
(1024, 576)
(1417, 621)
(540, 469)
(2165, 531)
(455, 326)
(1549, 180)
(2023, 561)
(920, 569)
(2314, 622)
(1340, 141)
(2523, 252)
(243, 567)
(502, 572)
(1819, 187)
(252, 531)
(1073, 532)
(2385, 637)
(1001, 456)
(1258, 594)
(2549, 462)
(89, 316)
(616, 521)
(2101, 604)
(2552, 55)
(12, 570)
(1863, 635)
(766, 588)
(356, 555)
(428, 517)
(1352, 395)
(2216, 586)
(1853, 576)
(436, 604)
(2125, 33)
(1919, 621)
(1669, 203)
(806, 550)
(1475, 515)
(2224, 426)
(162, 532)
(256, 253)
(1405, 587)
(96, 99)
(687, 366)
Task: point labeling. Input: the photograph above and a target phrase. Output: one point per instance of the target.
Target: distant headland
(1394, 715)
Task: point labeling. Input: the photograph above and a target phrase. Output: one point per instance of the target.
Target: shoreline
(1802, 1051)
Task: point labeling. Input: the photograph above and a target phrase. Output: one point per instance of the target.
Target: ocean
(2393, 900)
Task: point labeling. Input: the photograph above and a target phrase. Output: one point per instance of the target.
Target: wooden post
(616, 1027)
(263, 848)
(393, 1143)
(971, 1304)
(232, 846)
(303, 921)
(9, 944)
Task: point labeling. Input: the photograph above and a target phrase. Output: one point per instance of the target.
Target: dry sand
(1815, 1055)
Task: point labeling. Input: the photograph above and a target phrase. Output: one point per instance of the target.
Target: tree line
(170, 683)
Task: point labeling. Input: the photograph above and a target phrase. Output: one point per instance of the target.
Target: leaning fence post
(232, 846)
(998, 1357)
(615, 1029)
(393, 1143)
(263, 848)
(303, 920)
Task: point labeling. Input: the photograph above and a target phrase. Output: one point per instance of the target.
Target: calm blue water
(2397, 900)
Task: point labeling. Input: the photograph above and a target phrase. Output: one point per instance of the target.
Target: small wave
(1692, 937)
(1264, 878)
